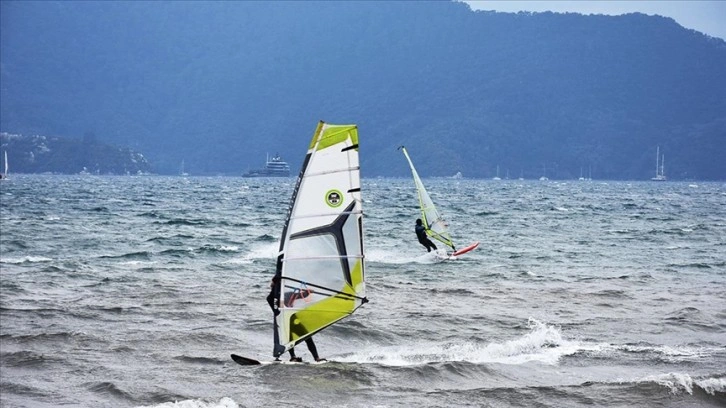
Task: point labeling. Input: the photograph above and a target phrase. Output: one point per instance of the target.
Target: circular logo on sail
(334, 198)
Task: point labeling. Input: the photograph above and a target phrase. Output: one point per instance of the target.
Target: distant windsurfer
(422, 238)
(273, 300)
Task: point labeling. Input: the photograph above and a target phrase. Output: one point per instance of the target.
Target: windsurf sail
(320, 266)
(435, 225)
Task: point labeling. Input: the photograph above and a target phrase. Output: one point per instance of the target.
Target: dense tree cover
(219, 84)
(57, 155)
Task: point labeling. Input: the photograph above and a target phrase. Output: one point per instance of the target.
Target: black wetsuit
(273, 300)
(423, 239)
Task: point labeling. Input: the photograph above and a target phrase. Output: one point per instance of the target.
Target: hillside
(221, 84)
(42, 154)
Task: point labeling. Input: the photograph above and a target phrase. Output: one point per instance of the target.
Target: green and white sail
(435, 225)
(320, 262)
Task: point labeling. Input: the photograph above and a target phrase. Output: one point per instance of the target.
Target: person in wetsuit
(422, 238)
(274, 301)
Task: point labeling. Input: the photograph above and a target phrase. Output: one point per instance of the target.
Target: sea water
(134, 291)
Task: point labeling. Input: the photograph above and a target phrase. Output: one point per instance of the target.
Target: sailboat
(4, 175)
(659, 166)
(320, 264)
(544, 174)
(182, 171)
(435, 225)
(497, 176)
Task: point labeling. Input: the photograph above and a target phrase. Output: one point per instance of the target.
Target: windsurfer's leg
(425, 244)
(313, 350)
(293, 357)
(311, 346)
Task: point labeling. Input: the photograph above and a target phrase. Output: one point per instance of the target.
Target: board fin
(244, 360)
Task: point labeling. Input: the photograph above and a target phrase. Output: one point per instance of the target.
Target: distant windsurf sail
(320, 263)
(435, 225)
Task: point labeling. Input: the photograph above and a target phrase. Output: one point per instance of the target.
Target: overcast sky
(708, 17)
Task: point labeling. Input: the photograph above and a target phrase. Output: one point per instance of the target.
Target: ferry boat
(274, 167)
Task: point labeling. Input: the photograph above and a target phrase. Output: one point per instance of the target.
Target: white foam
(678, 382)
(264, 251)
(225, 402)
(394, 257)
(669, 353)
(543, 344)
(229, 248)
(712, 385)
(26, 259)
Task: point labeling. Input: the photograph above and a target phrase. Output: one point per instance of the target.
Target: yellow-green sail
(435, 225)
(320, 263)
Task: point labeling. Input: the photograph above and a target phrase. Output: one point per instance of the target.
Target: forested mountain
(42, 154)
(220, 84)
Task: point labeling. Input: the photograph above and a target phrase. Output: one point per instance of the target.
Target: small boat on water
(4, 175)
(659, 166)
(274, 167)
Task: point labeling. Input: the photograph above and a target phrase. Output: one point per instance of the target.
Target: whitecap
(712, 385)
(673, 381)
(26, 259)
(225, 402)
(544, 344)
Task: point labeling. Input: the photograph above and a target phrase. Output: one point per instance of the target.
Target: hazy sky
(708, 17)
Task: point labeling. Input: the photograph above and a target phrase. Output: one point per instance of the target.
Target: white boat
(497, 176)
(274, 167)
(432, 220)
(659, 166)
(182, 171)
(320, 262)
(544, 174)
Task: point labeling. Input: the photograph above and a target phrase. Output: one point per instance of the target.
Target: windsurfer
(274, 301)
(422, 238)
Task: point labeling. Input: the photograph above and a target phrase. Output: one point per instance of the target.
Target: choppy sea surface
(133, 292)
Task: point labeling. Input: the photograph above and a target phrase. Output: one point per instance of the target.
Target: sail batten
(321, 259)
(325, 214)
(312, 258)
(341, 170)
